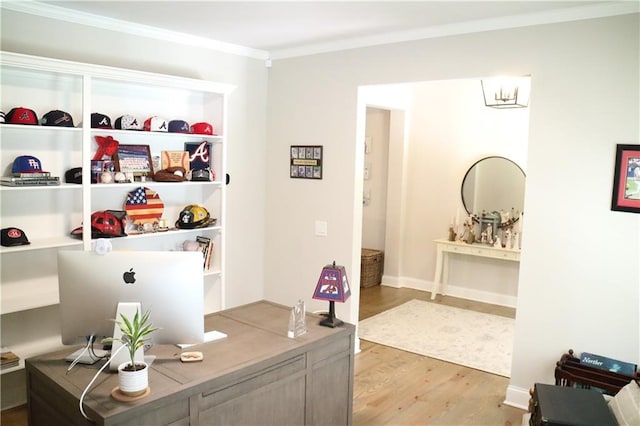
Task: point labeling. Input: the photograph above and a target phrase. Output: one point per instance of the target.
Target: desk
(256, 375)
(444, 247)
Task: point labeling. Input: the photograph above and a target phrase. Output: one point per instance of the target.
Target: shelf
(43, 244)
(157, 135)
(29, 287)
(30, 349)
(29, 294)
(61, 187)
(153, 183)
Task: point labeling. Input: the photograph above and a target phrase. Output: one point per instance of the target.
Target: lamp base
(331, 320)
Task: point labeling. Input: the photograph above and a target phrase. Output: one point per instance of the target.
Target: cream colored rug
(469, 338)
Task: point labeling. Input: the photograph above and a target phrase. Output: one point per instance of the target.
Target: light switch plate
(321, 228)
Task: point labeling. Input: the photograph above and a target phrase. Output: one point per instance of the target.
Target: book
(35, 175)
(15, 181)
(204, 244)
(608, 364)
(209, 256)
(8, 359)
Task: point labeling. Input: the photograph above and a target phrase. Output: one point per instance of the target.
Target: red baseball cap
(202, 128)
(21, 115)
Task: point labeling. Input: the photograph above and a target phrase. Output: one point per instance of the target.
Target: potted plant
(133, 376)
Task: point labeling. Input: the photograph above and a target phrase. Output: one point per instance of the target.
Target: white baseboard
(455, 291)
(517, 397)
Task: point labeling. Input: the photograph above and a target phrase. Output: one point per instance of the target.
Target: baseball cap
(128, 122)
(100, 121)
(13, 237)
(1, 116)
(105, 224)
(73, 175)
(22, 115)
(179, 126)
(202, 128)
(57, 118)
(26, 164)
(155, 124)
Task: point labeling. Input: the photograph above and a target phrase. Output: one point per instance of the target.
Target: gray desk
(255, 376)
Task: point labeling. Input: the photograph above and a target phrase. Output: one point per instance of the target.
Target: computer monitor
(167, 283)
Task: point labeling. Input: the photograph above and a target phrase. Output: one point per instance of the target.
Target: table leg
(438, 277)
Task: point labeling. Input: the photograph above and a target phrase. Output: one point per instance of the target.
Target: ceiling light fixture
(506, 92)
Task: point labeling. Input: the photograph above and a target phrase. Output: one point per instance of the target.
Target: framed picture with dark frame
(305, 162)
(626, 180)
(134, 159)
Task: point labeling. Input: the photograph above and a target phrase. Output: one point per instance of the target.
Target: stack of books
(8, 359)
(30, 179)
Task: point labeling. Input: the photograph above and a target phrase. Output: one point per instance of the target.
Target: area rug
(469, 338)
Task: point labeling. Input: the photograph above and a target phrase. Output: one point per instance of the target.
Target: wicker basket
(371, 267)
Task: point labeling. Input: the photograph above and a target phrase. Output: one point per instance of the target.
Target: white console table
(444, 247)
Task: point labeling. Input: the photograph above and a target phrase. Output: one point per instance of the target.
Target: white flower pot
(133, 383)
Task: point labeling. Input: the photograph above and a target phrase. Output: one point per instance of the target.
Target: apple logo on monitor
(129, 276)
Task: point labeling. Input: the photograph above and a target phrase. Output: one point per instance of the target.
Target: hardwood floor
(394, 387)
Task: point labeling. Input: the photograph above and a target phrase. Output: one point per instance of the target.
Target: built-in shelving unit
(48, 214)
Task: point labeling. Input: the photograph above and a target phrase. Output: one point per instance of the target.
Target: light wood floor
(398, 388)
(394, 387)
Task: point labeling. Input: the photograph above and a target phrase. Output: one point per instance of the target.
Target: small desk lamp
(333, 286)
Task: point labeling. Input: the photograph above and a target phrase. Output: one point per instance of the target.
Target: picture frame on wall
(626, 180)
(134, 159)
(305, 161)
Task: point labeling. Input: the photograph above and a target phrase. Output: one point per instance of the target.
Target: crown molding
(600, 10)
(82, 18)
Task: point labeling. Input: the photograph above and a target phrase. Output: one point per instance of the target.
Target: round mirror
(493, 184)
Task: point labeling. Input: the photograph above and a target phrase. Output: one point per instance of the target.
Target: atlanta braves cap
(22, 115)
(100, 121)
(128, 122)
(155, 124)
(57, 118)
(179, 126)
(26, 164)
(202, 128)
(13, 237)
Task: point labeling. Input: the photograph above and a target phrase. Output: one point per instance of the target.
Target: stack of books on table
(8, 359)
(30, 179)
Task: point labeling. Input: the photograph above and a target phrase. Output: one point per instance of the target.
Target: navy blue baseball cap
(179, 126)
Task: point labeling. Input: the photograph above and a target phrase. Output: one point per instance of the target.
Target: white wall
(575, 285)
(374, 210)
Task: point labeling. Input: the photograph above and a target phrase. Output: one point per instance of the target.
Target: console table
(444, 247)
(256, 375)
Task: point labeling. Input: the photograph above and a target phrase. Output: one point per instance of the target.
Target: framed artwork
(134, 159)
(626, 180)
(200, 155)
(305, 161)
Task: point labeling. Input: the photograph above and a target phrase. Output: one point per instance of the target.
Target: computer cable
(86, 390)
(90, 340)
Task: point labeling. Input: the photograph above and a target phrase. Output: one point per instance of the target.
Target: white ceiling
(294, 28)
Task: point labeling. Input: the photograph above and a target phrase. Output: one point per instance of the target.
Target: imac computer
(169, 284)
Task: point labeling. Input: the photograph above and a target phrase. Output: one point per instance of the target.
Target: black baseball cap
(13, 237)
